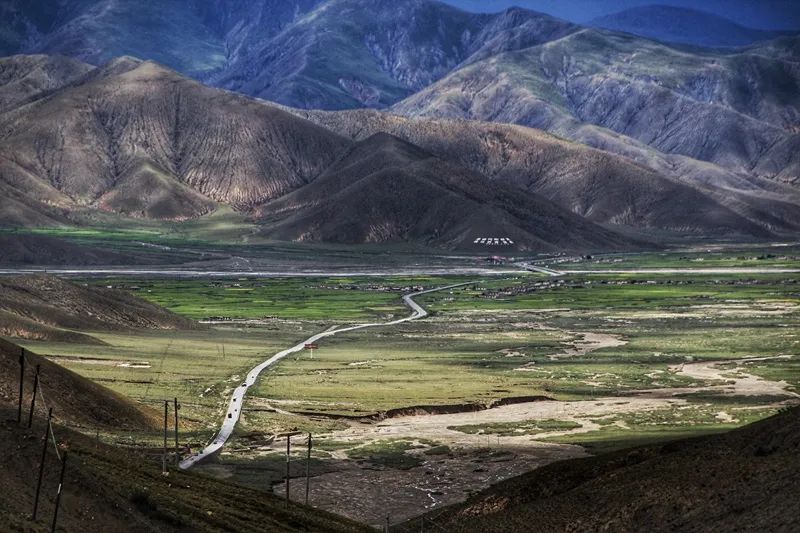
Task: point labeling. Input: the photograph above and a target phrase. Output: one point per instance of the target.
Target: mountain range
(674, 24)
(556, 135)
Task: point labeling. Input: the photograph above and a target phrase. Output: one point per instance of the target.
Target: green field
(501, 337)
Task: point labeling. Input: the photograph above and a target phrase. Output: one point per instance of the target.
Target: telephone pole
(21, 384)
(164, 456)
(288, 460)
(308, 467)
(177, 451)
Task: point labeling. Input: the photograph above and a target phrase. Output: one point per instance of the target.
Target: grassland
(501, 337)
(470, 350)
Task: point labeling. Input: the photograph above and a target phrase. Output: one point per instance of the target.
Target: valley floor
(509, 372)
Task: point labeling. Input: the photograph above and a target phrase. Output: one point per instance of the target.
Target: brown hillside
(745, 480)
(142, 140)
(388, 190)
(601, 186)
(110, 489)
(45, 307)
(74, 399)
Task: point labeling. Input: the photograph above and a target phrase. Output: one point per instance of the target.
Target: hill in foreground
(74, 399)
(45, 307)
(107, 488)
(744, 480)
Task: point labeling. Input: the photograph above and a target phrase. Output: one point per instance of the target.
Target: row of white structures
(494, 241)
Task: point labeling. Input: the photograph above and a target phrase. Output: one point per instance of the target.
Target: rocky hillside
(354, 53)
(27, 78)
(682, 25)
(139, 139)
(388, 190)
(49, 308)
(715, 483)
(739, 111)
(685, 196)
(74, 399)
(307, 53)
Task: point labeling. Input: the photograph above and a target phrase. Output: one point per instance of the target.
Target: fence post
(42, 463)
(33, 400)
(60, 490)
(288, 460)
(308, 467)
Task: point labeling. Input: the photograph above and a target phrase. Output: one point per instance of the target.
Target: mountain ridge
(674, 24)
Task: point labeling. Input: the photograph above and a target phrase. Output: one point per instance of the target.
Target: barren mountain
(388, 190)
(598, 185)
(354, 53)
(312, 53)
(23, 79)
(682, 25)
(734, 110)
(141, 140)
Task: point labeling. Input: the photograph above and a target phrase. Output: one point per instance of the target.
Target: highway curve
(234, 410)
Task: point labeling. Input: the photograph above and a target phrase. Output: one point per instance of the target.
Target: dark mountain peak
(682, 25)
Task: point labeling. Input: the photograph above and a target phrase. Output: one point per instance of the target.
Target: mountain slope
(681, 25)
(142, 141)
(354, 53)
(171, 32)
(191, 36)
(49, 308)
(113, 488)
(387, 190)
(715, 483)
(139, 139)
(731, 110)
(23, 79)
(603, 187)
(313, 53)
(110, 488)
(74, 399)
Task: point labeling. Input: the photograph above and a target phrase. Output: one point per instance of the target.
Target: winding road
(234, 410)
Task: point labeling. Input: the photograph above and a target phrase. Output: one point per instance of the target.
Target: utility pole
(308, 467)
(21, 384)
(58, 494)
(288, 460)
(177, 452)
(33, 400)
(164, 457)
(41, 464)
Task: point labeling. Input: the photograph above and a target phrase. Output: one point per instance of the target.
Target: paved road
(540, 269)
(235, 405)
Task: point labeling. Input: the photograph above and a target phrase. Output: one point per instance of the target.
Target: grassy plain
(499, 338)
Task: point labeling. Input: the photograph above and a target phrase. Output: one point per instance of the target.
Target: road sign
(311, 346)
